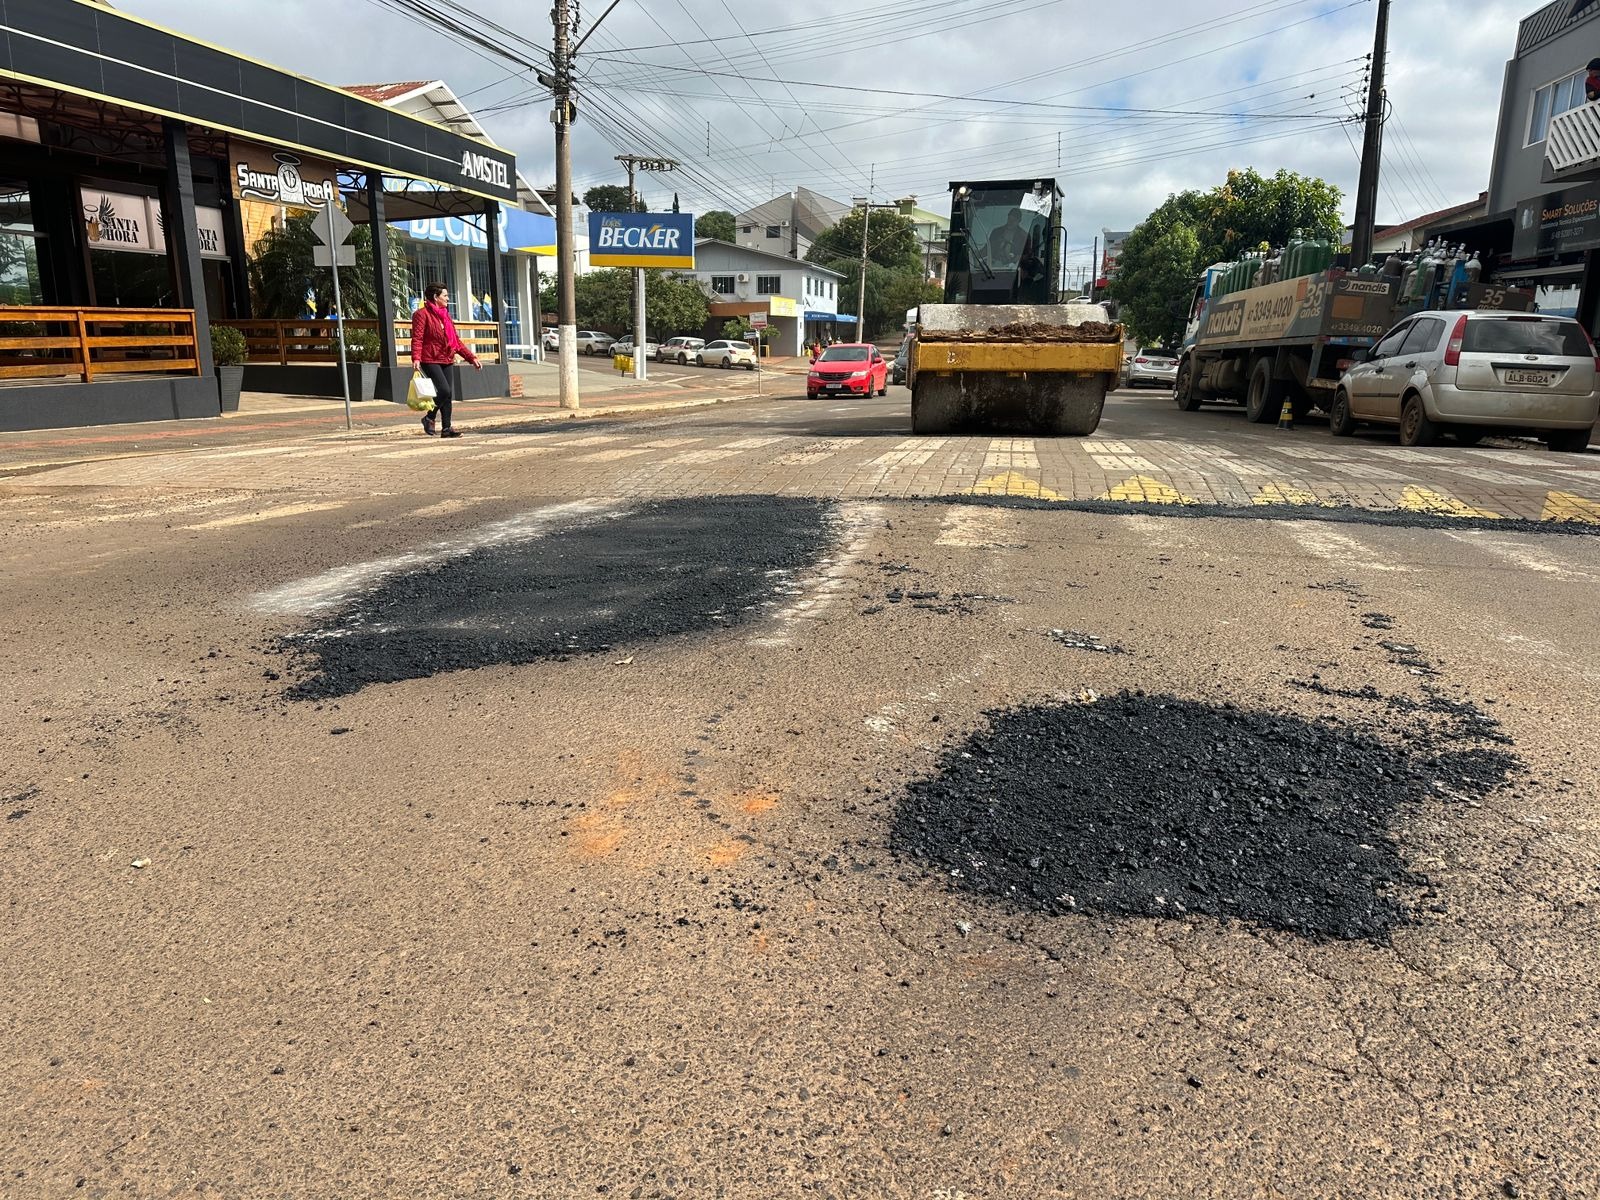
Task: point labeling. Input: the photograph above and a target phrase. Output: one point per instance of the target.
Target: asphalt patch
(655, 571)
(1155, 806)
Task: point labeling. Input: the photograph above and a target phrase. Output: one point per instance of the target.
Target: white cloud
(1303, 56)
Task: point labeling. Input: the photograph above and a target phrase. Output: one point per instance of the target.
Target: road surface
(759, 801)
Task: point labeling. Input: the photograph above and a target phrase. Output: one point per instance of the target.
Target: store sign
(281, 178)
(782, 306)
(481, 168)
(117, 221)
(641, 239)
(518, 230)
(1558, 222)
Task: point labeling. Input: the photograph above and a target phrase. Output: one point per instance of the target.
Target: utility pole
(866, 221)
(1094, 268)
(566, 264)
(1371, 146)
(633, 162)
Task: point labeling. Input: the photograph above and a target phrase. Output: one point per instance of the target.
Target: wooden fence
(39, 343)
(304, 342)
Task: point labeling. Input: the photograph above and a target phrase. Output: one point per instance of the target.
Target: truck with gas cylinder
(1283, 326)
(1004, 351)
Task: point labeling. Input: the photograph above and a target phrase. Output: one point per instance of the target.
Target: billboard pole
(566, 260)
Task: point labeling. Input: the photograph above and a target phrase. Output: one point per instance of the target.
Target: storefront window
(510, 268)
(123, 279)
(479, 306)
(20, 282)
(426, 262)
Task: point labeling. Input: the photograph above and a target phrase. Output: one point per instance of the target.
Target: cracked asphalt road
(634, 922)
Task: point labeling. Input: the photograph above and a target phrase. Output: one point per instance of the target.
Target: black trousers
(440, 374)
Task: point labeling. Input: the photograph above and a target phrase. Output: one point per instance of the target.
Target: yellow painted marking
(269, 514)
(1283, 493)
(1013, 484)
(1441, 504)
(1564, 506)
(1141, 489)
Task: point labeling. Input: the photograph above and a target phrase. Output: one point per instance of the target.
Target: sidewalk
(265, 417)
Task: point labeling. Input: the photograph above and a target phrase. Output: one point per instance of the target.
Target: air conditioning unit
(744, 279)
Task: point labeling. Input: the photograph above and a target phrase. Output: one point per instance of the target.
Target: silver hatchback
(1472, 374)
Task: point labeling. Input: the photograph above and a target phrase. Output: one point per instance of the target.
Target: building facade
(933, 237)
(788, 224)
(1540, 226)
(801, 299)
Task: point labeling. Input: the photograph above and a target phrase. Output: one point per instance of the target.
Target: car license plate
(1523, 376)
(834, 387)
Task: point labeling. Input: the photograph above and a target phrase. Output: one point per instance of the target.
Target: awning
(812, 314)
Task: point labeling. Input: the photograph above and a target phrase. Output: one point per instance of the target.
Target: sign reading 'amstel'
(641, 239)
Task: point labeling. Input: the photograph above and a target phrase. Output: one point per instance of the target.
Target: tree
(283, 274)
(672, 305)
(718, 224)
(1166, 252)
(891, 242)
(610, 197)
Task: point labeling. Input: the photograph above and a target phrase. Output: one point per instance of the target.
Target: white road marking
(854, 524)
(670, 442)
(753, 443)
(1105, 447)
(1524, 553)
(815, 452)
(515, 452)
(980, 527)
(1122, 462)
(901, 458)
(1488, 475)
(1011, 454)
(703, 456)
(1324, 541)
(269, 514)
(253, 452)
(601, 456)
(445, 507)
(329, 589)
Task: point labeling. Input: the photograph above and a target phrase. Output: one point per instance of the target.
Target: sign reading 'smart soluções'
(641, 239)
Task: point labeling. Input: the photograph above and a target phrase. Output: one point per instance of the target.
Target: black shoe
(427, 426)
(450, 433)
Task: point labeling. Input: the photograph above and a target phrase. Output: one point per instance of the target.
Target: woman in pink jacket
(434, 347)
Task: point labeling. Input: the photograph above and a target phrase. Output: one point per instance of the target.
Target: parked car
(551, 339)
(592, 341)
(848, 368)
(1151, 365)
(625, 346)
(680, 350)
(900, 368)
(1473, 373)
(727, 353)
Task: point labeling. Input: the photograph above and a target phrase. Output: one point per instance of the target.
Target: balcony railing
(1573, 139)
(45, 343)
(315, 342)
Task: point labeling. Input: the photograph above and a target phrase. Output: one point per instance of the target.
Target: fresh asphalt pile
(1141, 805)
(666, 568)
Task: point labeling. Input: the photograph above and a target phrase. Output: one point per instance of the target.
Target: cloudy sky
(1123, 102)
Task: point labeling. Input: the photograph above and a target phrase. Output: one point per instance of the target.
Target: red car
(848, 369)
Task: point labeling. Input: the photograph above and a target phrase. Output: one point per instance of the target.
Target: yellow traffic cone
(1286, 414)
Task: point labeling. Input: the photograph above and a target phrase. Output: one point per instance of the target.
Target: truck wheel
(1415, 428)
(1264, 402)
(1340, 422)
(1183, 390)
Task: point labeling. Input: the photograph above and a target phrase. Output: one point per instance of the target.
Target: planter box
(363, 380)
(230, 382)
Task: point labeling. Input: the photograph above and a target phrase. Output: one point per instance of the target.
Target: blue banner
(526, 231)
(641, 239)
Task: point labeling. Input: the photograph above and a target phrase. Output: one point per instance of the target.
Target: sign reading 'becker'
(641, 239)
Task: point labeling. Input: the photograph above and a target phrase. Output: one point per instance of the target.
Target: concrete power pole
(566, 259)
(633, 162)
(1371, 147)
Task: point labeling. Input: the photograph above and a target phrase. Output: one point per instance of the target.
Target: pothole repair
(666, 568)
(1156, 806)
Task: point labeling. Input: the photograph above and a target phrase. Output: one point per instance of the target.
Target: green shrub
(228, 347)
(361, 346)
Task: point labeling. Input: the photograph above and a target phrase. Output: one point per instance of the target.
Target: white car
(625, 346)
(592, 341)
(680, 350)
(551, 339)
(1152, 365)
(727, 353)
(1474, 373)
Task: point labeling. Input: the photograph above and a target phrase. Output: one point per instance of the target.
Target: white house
(801, 299)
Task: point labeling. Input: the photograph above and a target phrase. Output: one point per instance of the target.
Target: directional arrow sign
(325, 256)
(331, 226)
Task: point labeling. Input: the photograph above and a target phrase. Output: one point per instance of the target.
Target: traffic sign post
(332, 227)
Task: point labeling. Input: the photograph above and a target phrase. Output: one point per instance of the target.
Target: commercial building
(790, 223)
(1541, 228)
(800, 298)
(933, 237)
(127, 153)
